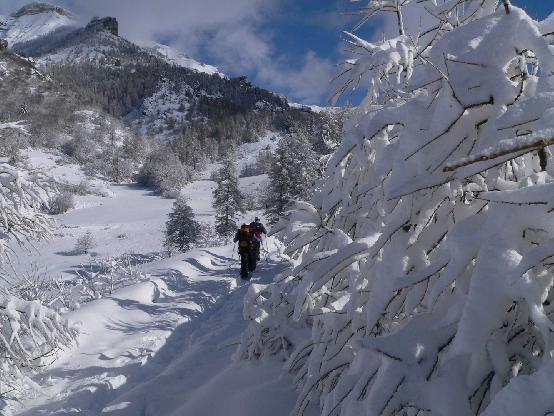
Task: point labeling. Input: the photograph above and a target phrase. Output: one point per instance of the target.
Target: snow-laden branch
(514, 147)
(30, 334)
(413, 290)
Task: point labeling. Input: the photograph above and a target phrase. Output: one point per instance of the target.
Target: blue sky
(289, 46)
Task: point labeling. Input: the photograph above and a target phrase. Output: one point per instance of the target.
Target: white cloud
(309, 83)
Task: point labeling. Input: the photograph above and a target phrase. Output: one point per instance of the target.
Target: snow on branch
(30, 334)
(514, 147)
(412, 290)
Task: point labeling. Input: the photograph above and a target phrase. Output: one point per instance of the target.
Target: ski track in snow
(161, 347)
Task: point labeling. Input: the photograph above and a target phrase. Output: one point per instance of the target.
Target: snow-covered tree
(228, 200)
(30, 334)
(182, 231)
(85, 243)
(21, 194)
(421, 271)
(294, 169)
(164, 171)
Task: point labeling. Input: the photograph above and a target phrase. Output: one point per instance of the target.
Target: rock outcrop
(109, 24)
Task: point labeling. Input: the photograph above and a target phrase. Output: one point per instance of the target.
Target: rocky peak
(106, 23)
(39, 8)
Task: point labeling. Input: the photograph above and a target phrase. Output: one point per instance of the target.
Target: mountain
(109, 90)
(35, 21)
(162, 92)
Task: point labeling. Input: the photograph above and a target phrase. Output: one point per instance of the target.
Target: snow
(162, 346)
(169, 104)
(247, 153)
(32, 26)
(412, 290)
(175, 57)
(314, 108)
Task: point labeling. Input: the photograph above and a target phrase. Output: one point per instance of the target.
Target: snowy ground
(161, 347)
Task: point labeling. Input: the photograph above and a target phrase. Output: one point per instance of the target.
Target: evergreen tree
(182, 230)
(228, 200)
(294, 168)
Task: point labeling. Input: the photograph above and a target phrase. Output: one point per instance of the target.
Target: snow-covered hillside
(178, 58)
(34, 21)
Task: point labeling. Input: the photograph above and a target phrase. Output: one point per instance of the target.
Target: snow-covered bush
(208, 236)
(30, 285)
(61, 203)
(82, 188)
(164, 171)
(101, 277)
(85, 243)
(21, 193)
(421, 271)
(30, 334)
(261, 166)
(12, 144)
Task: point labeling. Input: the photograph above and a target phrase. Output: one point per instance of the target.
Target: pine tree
(294, 169)
(182, 230)
(228, 200)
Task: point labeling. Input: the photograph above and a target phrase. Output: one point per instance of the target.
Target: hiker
(246, 238)
(258, 230)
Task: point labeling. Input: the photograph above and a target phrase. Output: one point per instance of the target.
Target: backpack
(245, 239)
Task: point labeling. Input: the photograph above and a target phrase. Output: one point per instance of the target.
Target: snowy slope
(149, 350)
(547, 25)
(163, 346)
(246, 153)
(33, 21)
(178, 58)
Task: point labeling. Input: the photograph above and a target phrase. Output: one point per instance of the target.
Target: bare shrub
(85, 243)
(61, 203)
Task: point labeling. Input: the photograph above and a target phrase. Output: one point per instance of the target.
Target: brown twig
(526, 148)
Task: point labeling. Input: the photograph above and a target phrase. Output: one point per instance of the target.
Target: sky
(289, 46)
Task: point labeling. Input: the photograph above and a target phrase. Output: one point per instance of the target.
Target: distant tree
(85, 243)
(182, 230)
(164, 171)
(228, 200)
(294, 169)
